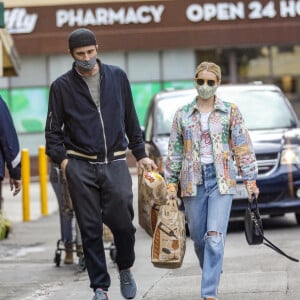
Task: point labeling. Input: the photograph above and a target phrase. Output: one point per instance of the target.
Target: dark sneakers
(127, 284)
(100, 295)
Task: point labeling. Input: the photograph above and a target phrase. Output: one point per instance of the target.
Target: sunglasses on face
(210, 82)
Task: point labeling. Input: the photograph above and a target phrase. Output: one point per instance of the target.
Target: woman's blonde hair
(210, 67)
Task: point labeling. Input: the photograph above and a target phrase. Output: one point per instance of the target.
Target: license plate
(241, 192)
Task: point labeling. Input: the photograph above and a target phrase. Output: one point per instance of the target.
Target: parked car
(275, 132)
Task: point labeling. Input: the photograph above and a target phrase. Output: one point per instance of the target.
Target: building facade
(157, 43)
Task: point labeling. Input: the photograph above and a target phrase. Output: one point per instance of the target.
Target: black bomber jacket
(75, 123)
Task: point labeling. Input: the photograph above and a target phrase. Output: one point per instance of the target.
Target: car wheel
(298, 218)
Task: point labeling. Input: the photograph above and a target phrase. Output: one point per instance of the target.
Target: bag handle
(253, 203)
(268, 243)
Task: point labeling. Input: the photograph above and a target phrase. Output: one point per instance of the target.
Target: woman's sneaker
(127, 284)
(100, 295)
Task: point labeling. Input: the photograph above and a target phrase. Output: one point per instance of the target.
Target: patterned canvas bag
(169, 238)
(152, 194)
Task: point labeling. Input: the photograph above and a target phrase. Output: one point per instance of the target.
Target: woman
(207, 136)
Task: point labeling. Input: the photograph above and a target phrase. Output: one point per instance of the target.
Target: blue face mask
(86, 65)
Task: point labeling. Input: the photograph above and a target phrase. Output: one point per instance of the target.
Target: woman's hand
(252, 189)
(171, 191)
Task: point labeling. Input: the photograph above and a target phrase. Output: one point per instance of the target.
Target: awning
(9, 59)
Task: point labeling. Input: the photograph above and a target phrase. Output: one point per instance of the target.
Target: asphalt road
(27, 270)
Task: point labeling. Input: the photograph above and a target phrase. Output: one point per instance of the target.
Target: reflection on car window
(262, 109)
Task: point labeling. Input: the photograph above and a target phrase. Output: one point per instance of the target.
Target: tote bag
(152, 194)
(169, 238)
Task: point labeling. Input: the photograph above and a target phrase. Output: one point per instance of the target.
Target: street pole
(43, 180)
(25, 177)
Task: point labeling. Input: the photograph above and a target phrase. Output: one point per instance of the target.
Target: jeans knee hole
(215, 238)
(213, 233)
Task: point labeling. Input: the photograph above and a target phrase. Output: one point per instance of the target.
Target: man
(9, 150)
(91, 122)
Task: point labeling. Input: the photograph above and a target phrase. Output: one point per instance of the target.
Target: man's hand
(147, 164)
(15, 185)
(63, 166)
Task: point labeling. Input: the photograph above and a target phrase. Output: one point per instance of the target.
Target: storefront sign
(157, 24)
(107, 16)
(225, 11)
(17, 20)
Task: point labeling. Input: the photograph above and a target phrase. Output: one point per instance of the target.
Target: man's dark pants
(102, 192)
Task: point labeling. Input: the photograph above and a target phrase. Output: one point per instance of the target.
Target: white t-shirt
(206, 151)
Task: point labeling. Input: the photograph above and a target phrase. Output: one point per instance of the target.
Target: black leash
(272, 246)
(255, 216)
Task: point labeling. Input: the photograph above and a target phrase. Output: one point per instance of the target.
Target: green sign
(142, 94)
(29, 106)
(2, 25)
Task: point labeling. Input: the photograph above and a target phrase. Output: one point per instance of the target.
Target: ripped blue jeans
(207, 216)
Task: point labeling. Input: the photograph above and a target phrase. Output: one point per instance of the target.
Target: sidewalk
(13, 207)
(27, 268)
(35, 241)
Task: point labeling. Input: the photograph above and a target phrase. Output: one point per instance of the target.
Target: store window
(177, 65)
(217, 56)
(270, 64)
(143, 66)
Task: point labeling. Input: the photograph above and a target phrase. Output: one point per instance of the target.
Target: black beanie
(81, 37)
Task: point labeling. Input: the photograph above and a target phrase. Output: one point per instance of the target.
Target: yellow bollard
(43, 180)
(25, 177)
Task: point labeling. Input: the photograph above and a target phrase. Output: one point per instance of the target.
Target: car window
(165, 111)
(261, 109)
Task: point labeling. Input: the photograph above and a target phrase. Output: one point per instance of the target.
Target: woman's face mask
(86, 65)
(206, 91)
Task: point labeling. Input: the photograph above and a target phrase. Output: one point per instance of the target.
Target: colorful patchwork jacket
(232, 149)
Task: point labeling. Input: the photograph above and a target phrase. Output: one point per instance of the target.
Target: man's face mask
(86, 65)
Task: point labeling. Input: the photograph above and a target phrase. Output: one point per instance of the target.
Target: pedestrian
(10, 158)
(91, 122)
(66, 214)
(208, 137)
(10, 155)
